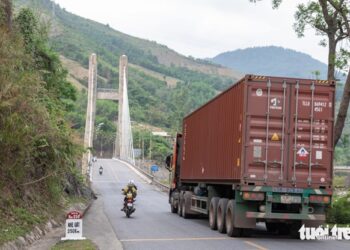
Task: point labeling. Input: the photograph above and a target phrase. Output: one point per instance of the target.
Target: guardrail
(149, 176)
(153, 180)
(106, 90)
(341, 169)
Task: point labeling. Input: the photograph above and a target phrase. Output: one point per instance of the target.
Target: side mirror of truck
(168, 161)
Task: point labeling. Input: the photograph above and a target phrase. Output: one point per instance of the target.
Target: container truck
(261, 151)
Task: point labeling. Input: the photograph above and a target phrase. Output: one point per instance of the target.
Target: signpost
(154, 168)
(74, 226)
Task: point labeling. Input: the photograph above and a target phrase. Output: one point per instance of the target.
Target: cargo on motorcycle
(130, 193)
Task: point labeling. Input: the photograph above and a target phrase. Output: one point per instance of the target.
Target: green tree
(329, 18)
(37, 151)
(6, 13)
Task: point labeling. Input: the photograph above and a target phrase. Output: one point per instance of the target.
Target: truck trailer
(261, 151)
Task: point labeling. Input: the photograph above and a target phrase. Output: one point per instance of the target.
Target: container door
(311, 135)
(265, 132)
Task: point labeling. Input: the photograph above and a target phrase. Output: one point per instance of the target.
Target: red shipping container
(263, 131)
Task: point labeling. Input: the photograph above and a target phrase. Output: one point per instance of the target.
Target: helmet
(131, 182)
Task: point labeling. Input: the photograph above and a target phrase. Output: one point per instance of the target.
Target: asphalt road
(154, 227)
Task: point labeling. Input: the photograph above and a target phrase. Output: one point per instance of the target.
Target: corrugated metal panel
(278, 132)
(275, 117)
(212, 139)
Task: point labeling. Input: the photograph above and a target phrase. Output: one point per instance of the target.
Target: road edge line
(137, 171)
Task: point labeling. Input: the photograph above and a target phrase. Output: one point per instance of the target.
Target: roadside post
(74, 226)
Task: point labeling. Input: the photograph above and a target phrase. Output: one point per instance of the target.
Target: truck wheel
(173, 208)
(185, 215)
(213, 208)
(179, 212)
(221, 215)
(231, 230)
(179, 206)
(186, 201)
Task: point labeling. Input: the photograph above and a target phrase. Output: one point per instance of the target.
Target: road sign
(154, 168)
(74, 226)
(137, 152)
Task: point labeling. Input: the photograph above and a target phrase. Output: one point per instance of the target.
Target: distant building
(162, 134)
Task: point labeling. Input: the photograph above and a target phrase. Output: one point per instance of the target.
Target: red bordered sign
(74, 215)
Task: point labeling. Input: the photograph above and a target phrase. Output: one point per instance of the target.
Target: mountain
(272, 60)
(158, 76)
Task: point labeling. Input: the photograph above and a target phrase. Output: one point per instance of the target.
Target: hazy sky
(202, 28)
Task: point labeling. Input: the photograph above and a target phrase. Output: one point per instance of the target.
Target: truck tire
(179, 205)
(213, 208)
(185, 215)
(231, 230)
(172, 206)
(221, 215)
(186, 202)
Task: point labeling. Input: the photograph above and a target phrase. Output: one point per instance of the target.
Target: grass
(165, 181)
(18, 224)
(339, 181)
(75, 245)
(21, 221)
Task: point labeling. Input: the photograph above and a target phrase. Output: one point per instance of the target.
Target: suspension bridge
(124, 142)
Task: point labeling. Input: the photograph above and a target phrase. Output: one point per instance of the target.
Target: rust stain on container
(263, 131)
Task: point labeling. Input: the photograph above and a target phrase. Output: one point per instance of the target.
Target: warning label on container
(275, 104)
(302, 153)
(275, 137)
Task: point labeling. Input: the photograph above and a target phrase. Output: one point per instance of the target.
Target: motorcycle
(129, 205)
(101, 170)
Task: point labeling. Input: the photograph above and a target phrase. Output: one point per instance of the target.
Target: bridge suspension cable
(126, 140)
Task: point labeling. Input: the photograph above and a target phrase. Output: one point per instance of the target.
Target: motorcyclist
(130, 188)
(101, 170)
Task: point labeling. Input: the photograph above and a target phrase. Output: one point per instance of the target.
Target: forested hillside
(38, 150)
(151, 98)
(163, 85)
(274, 61)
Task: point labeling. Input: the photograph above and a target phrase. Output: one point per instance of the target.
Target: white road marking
(175, 239)
(114, 174)
(255, 245)
(145, 179)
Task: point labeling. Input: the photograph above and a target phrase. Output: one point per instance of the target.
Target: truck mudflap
(285, 216)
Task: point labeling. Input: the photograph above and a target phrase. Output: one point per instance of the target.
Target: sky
(202, 28)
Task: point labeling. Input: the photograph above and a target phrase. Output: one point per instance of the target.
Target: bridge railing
(106, 90)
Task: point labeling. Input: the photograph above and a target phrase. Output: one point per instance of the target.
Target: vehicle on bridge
(261, 151)
(130, 193)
